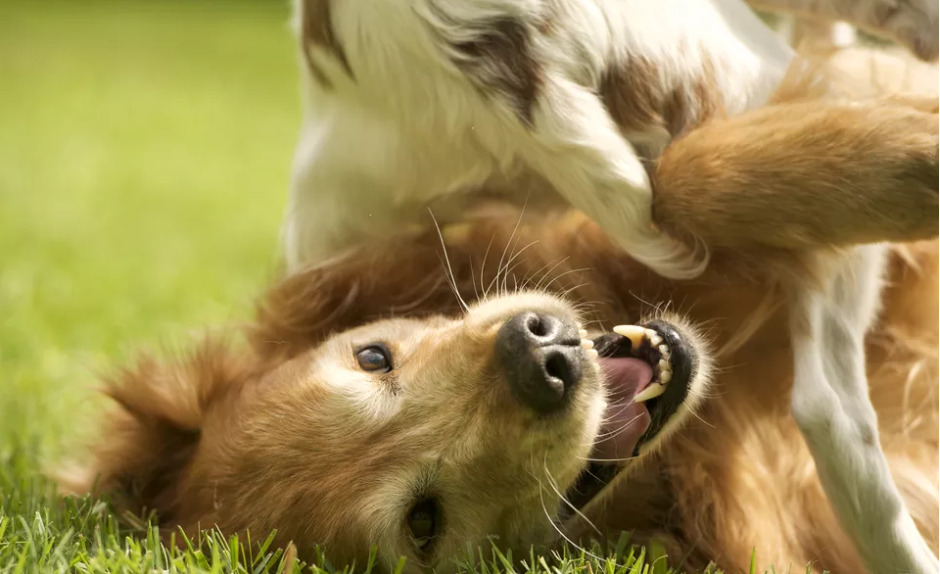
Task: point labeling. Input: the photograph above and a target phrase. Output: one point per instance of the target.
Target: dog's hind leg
(831, 405)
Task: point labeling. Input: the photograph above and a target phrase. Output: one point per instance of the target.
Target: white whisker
(450, 270)
(554, 485)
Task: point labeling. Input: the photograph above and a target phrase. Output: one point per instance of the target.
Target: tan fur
(287, 434)
(858, 161)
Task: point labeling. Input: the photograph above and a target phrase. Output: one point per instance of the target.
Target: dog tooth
(665, 377)
(591, 353)
(664, 366)
(650, 392)
(664, 350)
(635, 333)
(655, 339)
(587, 344)
(583, 333)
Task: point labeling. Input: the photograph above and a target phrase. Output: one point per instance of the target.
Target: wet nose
(541, 356)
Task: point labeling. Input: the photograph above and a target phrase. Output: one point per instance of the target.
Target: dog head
(419, 434)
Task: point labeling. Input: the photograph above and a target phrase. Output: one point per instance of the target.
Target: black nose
(541, 356)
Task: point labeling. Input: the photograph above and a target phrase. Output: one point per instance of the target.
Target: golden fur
(285, 432)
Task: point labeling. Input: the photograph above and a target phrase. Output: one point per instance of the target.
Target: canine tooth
(591, 353)
(664, 366)
(635, 333)
(587, 344)
(665, 377)
(650, 392)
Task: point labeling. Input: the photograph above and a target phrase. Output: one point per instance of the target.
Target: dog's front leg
(805, 175)
(575, 145)
(831, 405)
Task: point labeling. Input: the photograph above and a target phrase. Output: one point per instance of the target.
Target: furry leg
(576, 146)
(831, 405)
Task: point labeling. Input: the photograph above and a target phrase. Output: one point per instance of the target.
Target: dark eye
(424, 523)
(374, 359)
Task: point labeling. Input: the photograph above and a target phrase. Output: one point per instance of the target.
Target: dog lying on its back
(446, 424)
(423, 103)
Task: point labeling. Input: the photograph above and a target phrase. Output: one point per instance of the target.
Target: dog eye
(424, 522)
(374, 359)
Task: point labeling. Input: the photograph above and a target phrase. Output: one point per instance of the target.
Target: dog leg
(576, 146)
(831, 405)
(803, 176)
(818, 175)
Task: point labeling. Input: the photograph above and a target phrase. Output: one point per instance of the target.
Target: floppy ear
(149, 440)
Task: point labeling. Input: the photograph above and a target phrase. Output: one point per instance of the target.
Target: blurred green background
(145, 149)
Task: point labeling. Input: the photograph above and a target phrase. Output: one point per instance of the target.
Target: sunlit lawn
(144, 155)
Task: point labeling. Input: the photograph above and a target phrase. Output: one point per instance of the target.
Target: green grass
(144, 157)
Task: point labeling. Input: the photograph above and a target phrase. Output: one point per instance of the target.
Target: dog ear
(149, 440)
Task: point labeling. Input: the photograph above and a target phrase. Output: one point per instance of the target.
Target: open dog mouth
(647, 370)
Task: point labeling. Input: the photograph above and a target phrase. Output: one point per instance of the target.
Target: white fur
(832, 408)
(408, 129)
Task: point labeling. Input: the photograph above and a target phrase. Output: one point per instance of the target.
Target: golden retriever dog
(530, 382)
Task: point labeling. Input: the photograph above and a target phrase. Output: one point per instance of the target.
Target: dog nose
(541, 355)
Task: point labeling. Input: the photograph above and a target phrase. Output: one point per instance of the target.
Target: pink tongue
(625, 421)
